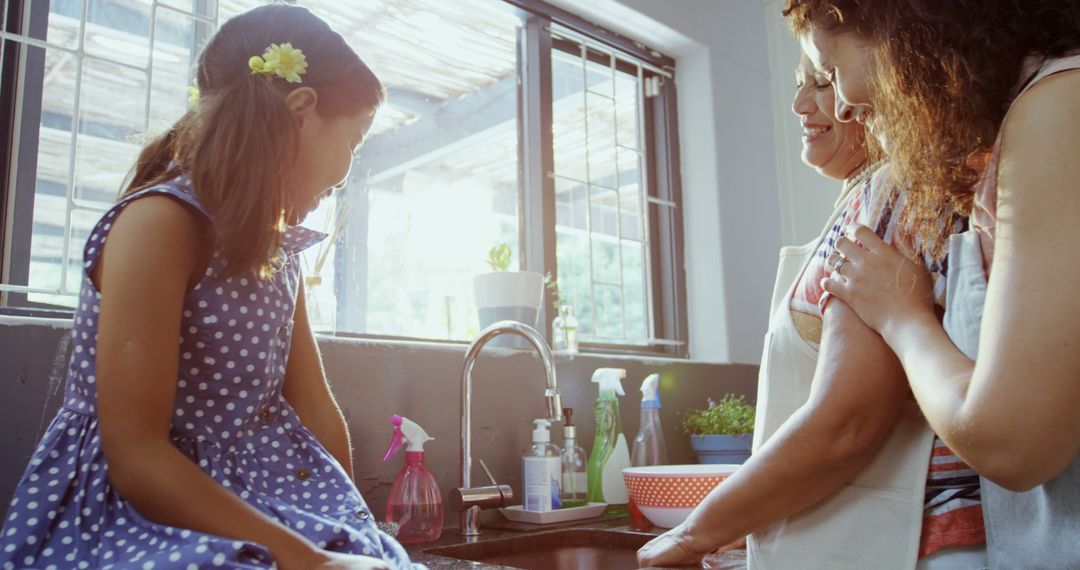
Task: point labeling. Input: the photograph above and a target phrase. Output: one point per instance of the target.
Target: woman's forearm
(803, 463)
(856, 402)
(167, 488)
(977, 421)
(939, 375)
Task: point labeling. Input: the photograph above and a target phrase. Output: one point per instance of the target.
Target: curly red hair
(946, 73)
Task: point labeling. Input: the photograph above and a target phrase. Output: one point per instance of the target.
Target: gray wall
(373, 380)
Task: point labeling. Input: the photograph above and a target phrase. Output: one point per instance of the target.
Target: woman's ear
(301, 101)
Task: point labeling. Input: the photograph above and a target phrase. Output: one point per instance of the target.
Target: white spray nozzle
(650, 391)
(540, 431)
(415, 435)
(610, 380)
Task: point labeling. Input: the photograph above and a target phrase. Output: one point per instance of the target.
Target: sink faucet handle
(487, 472)
(491, 497)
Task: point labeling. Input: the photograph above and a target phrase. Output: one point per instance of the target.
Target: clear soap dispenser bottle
(541, 471)
(575, 489)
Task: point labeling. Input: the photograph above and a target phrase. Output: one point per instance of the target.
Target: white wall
(734, 115)
(806, 198)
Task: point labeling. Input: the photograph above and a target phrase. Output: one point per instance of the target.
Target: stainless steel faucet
(470, 500)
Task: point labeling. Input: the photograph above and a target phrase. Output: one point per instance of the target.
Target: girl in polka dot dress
(197, 429)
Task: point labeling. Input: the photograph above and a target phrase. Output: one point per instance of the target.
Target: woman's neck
(858, 176)
(857, 170)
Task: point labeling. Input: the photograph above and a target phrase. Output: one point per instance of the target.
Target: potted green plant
(722, 432)
(502, 294)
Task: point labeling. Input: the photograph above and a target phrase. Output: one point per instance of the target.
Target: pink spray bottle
(415, 503)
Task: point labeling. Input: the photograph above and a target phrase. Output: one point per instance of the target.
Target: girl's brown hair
(241, 140)
(945, 75)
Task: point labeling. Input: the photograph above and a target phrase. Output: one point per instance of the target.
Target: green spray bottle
(610, 453)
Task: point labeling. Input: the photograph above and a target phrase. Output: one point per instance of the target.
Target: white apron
(876, 520)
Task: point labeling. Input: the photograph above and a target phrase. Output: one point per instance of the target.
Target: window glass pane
(178, 39)
(436, 183)
(600, 143)
(99, 103)
(107, 143)
(608, 307)
(568, 105)
(599, 186)
(630, 195)
(63, 28)
(54, 71)
(598, 73)
(627, 109)
(118, 30)
(635, 301)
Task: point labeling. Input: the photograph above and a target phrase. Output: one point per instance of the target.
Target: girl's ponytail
(246, 140)
(154, 159)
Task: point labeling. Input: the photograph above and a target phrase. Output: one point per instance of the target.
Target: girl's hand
(878, 282)
(678, 546)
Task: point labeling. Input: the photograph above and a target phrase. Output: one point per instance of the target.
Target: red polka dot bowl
(666, 494)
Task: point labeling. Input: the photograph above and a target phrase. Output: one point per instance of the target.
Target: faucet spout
(470, 515)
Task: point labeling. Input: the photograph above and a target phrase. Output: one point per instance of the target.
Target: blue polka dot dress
(229, 418)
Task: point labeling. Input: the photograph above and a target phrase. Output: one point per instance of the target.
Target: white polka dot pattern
(676, 491)
(230, 419)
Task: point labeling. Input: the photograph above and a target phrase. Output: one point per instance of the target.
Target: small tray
(518, 514)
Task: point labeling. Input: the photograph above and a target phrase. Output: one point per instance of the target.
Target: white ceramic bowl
(666, 494)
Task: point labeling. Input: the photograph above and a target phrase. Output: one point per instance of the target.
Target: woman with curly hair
(845, 474)
(979, 105)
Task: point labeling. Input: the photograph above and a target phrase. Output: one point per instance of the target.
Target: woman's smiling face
(833, 148)
(844, 60)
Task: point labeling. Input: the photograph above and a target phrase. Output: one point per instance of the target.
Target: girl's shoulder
(178, 187)
(150, 222)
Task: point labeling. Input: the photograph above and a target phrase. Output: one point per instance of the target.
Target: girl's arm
(856, 400)
(1012, 414)
(308, 392)
(143, 275)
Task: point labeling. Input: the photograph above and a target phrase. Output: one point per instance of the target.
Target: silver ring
(839, 264)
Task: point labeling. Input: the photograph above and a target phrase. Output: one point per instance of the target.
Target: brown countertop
(730, 560)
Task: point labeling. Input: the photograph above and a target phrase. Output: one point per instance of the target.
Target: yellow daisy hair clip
(281, 60)
(193, 96)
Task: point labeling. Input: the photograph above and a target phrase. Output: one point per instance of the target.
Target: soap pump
(649, 447)
(575, 487)
(415, 503)
(541, 471)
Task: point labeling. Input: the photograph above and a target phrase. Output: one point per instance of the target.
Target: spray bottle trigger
(396, 441)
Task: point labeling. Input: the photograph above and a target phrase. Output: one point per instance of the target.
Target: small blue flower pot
(728, 449)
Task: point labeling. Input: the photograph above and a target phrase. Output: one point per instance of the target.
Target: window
(508, 121)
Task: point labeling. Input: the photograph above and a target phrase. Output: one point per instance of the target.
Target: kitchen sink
(570, 549)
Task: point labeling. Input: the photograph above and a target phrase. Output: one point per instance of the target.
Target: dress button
(264, 415)
(363, 515)
(303, 474)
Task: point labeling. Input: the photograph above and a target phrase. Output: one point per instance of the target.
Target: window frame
(666, 289)
(17, 208)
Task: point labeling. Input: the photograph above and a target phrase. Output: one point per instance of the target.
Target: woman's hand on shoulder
(879, 283)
